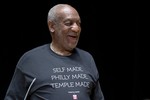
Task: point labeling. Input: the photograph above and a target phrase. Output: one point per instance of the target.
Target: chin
(71, 48)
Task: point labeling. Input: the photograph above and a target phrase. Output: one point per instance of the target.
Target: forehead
(69, 13)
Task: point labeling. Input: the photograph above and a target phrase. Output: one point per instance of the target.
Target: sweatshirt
(41, 74)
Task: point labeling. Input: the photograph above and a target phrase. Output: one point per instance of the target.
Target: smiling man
(58, 69)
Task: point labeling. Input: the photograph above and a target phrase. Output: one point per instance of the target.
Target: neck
(59, 52)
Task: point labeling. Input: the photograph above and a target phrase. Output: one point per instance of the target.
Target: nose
(76, 28)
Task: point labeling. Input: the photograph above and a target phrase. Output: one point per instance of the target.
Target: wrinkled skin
(65, 31)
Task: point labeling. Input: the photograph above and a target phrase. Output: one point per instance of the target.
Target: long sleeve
(97, 93)
(16, 89)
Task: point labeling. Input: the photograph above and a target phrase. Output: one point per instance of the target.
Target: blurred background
(110, 32)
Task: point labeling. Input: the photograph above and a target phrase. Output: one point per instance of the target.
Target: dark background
(110, 32)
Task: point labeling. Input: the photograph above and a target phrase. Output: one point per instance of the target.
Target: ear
(51, 26)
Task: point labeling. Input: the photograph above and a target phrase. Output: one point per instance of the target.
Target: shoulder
(83, 52)
(34, 53)
(88, 61)
(36, 50)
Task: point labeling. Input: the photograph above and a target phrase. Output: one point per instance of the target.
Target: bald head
(59, 9)
(64, 25)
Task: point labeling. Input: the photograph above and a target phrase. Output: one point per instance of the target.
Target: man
(58, 70)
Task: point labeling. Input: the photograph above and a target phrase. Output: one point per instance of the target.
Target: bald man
(59, 69)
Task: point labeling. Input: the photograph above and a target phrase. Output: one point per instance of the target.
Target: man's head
(64, 25)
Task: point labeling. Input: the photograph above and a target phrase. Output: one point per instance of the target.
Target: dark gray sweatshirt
(41, 74)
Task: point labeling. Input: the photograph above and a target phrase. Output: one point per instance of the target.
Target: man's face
(67, 29)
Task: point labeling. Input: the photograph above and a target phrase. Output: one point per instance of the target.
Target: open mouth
(72, 38)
